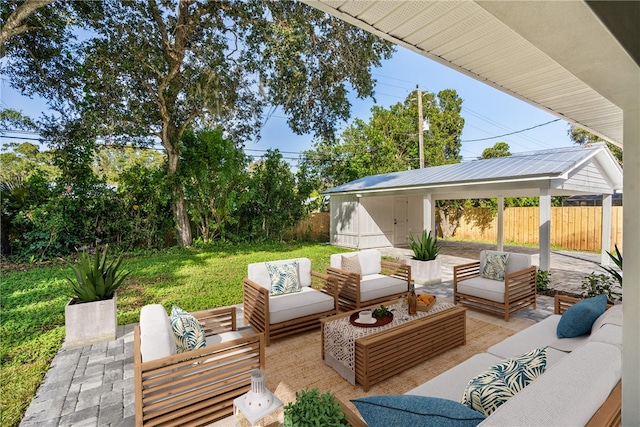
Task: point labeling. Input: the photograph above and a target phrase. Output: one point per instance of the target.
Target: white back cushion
(156, 333)
(258, 273)
(515, 263)
(369, 260)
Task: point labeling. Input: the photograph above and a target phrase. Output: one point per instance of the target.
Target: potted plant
(314, 409)
(426, 268)
(90, 315)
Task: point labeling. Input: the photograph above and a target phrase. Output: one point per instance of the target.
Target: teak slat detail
(256, 308)
(197, 387)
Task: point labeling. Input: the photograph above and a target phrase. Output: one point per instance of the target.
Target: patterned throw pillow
(493, 387)
(284, 278)
(351, 264)
(495, 266)
(188, 332)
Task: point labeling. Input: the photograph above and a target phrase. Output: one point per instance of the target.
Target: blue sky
(487, 111)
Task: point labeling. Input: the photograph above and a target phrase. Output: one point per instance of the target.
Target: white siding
(344, 221)
(587, 180)
(376, 225)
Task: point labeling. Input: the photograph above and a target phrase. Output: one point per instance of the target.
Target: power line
(511, 133)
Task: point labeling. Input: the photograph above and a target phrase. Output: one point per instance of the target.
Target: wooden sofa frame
(519, 290)
(349, 291)
(608, 415)
(256, 308)
(197, 387)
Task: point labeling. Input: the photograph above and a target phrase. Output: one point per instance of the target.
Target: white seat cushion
(258, 273)
(480, 287)
(515, 263)
(452, 383)
(540, 335)
(378, 285)
(156, 333)
(370, 260)
(304, 303)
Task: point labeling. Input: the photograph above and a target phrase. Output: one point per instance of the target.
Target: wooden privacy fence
(572, 227)
(313, 228)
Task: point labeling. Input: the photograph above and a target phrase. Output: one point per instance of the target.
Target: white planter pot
(426, 272)
(90, 322)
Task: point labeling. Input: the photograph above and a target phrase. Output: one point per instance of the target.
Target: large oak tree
(149, 70)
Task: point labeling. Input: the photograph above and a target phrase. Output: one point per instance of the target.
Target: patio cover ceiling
(514, 46)
(579, 60)
(518, 175)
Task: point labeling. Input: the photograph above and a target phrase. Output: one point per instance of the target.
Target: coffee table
(370, 355)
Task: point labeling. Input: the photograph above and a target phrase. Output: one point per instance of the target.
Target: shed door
(400, 221)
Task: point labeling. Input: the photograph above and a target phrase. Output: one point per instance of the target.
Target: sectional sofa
(581, 384)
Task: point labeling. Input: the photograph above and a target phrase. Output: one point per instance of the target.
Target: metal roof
(532, 167)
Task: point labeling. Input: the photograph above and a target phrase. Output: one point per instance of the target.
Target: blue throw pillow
(579, 318)
(411, 410)
(500, 382)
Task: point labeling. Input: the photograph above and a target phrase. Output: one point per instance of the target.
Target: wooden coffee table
(383, 354)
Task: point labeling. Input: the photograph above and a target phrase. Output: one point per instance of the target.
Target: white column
(606, 229)
(631, 253)
(500, 223)
(545, 229)
(428, 213)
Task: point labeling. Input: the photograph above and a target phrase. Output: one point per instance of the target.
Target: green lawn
(33, 300)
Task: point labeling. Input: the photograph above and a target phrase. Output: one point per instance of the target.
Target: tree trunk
(183, 226)
(447, 223)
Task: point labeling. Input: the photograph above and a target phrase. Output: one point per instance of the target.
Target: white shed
(381, 210)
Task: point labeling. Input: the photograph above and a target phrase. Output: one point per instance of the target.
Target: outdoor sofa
(481, 284)
(366, 279)
(194, 387)
(292, 312)
(580, 386)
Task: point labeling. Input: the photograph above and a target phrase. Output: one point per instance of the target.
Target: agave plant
(96, 279)
(425, 248)
(617, 260)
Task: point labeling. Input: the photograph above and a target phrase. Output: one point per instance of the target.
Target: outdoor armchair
(195, 387)
(366, 279)
(301, 309)
(478, 284)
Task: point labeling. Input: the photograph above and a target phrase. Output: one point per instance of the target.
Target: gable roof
(564, 171)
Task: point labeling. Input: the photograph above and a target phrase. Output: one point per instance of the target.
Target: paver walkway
(93, 385)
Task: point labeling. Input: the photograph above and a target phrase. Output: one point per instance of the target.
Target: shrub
(543, 279)
(313, 409)
(596, 284)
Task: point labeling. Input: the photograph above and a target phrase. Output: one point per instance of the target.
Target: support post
(545, 229)
(500, 223)
(428, 213)
(606, 229)
(631, 251)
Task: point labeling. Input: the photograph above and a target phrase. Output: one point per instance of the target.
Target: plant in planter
(426, 268)
(314, 409)
(90, 315)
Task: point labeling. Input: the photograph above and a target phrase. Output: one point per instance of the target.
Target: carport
(381, 210)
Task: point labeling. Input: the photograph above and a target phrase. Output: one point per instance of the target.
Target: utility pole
(420, 130)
